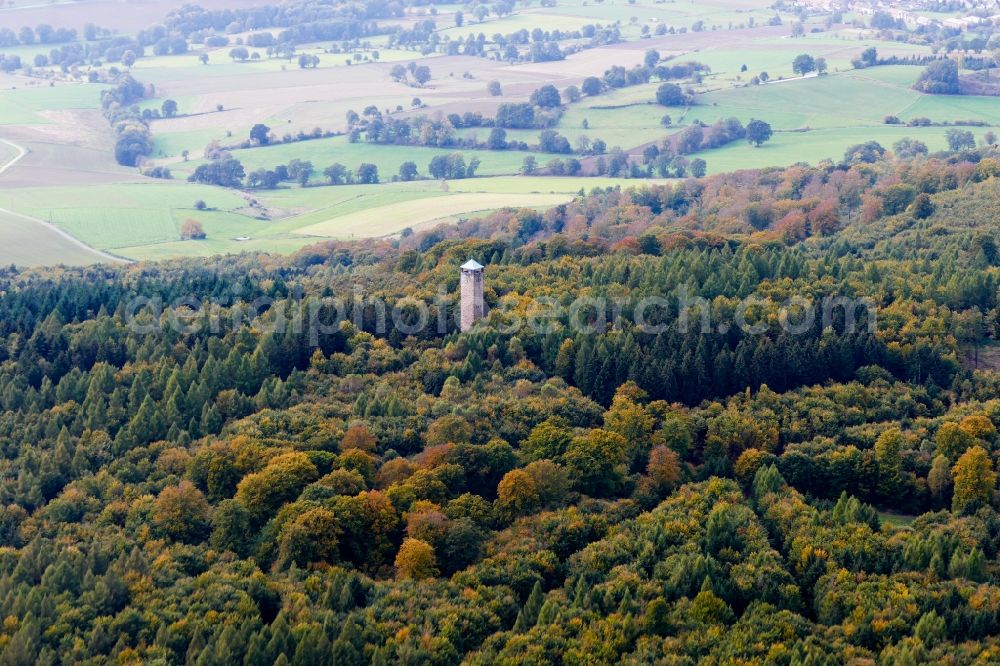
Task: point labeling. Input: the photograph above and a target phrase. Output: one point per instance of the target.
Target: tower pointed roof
(472, 265)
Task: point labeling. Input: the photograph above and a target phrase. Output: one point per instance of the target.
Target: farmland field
(68, 172)
(384, 220)
(31, 243)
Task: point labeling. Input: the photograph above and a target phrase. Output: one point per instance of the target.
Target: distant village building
(472, 294)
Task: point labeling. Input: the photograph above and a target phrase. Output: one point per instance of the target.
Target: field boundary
(21, 152)
(71, 238)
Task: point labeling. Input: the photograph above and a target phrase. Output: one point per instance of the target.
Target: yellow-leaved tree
(415, 560)
(974, 481)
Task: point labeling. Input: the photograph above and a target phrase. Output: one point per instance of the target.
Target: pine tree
(528, 615)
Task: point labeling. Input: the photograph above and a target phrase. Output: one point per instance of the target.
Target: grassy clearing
(896, 520)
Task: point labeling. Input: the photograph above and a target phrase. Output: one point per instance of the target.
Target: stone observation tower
(472, 294)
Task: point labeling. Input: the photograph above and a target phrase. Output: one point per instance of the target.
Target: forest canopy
(244, 492)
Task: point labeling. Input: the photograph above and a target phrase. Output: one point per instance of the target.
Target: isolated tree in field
(803, 64)
(666, 121)
(169, 108)
(407, 171)
(200, 205)
(192, 229)
(960, 139)
(259, 134)
(422, 74)
(239, 53)
(203, 58)
(572, 94)
(128, 58)
(546, 97)
(670, 94)
(592, 86)
(758, 132)
(529, 166)
(459, 19)
(821, 65)
(974, 481)
(698, 167)
(493, 87)
(397, 73)
(651, 58)
(367, 174)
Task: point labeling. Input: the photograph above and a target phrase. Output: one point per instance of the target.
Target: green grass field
(142, 213)
(28, 243)
(324, 152)
(814, 118)
(145, 222)
(813, 146)
(631, 16)
(26, 106)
